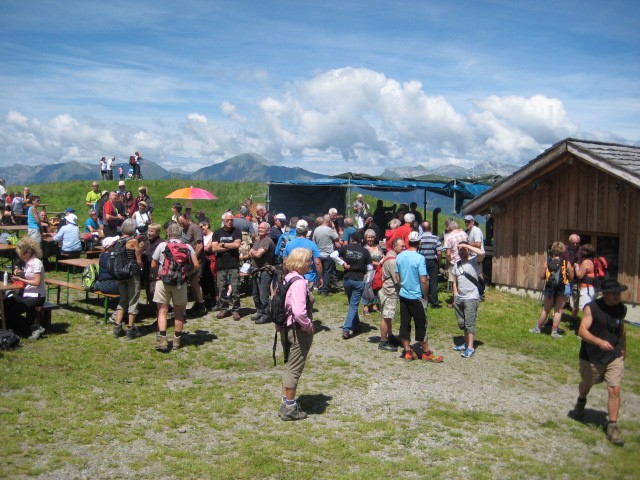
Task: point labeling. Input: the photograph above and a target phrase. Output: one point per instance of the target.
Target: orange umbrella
(192, 193)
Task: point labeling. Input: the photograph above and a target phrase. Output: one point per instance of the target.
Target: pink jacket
(296, 303)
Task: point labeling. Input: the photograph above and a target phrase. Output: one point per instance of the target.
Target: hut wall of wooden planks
(570, 196)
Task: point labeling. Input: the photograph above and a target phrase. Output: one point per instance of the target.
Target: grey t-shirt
(466, 289)
(325, 237)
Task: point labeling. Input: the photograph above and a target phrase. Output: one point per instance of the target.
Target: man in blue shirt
(314, 275)
(411, 268)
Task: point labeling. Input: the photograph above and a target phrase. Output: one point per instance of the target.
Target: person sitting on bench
(69, 236)
(31, 274)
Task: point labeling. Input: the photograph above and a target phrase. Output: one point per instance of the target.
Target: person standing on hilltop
(110, 162)
(103, 168)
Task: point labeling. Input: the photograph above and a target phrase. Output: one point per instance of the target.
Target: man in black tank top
(603, 351)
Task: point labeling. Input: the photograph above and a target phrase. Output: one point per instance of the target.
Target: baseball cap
(121, 183)
(281, 216)
(469, 218)
(71, 218)
(414, 237)
(302, 224)
(70, 210)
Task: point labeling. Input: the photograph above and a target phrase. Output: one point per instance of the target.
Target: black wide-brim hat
(611, 285)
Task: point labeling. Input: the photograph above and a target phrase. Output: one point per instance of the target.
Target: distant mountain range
(452, 171)
(242, 168)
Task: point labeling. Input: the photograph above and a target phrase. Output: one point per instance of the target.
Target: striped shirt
(430, 246)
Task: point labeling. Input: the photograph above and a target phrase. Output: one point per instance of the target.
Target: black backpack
(9, 340)
(278, 311)
(555, 274)
(119, 265)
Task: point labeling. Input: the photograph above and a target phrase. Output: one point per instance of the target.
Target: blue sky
(328, 86)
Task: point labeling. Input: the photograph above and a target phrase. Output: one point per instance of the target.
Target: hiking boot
(177, 342)
(468, 353)
(431, 357)
(198, 310)
(578, 411)
(556, 334)
(256, 316)
(387, 346)
(112, 318)
(346, 334)
(161, 343)
(236, 316)
(133, 332)
(409, 355)
(535, 329)
(118, 330)
(36, 333)
(263, 320)
(613, 433)
(460, 348)
(223, 314)
(292, 412)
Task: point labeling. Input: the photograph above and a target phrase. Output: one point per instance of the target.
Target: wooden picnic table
(7, 251)
(76, 262)
(14, 228)
(4, 288)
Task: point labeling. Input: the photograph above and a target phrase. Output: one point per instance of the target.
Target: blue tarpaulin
(457, 189)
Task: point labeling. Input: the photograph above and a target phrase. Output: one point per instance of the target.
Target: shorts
(165, 293)
(587, 295)
(388, 304)
(593, 373)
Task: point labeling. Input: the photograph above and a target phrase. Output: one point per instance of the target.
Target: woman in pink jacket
(299, 331)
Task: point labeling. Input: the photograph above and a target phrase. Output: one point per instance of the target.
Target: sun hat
(71, 218)
(611, 285)
(414, 237)
(121, 183)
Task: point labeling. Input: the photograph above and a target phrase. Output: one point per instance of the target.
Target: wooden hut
(576, 186)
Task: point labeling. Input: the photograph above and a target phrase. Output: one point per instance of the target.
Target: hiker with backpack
(591, 270)
(261, 254)
(557, 274)
(297, 331)
(572, 254)
(173, 260)
(388, 294)
(125, 264)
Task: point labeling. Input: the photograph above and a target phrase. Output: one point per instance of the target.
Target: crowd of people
(387, 258)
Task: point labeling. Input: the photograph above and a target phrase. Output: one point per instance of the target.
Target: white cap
(71, 218)
(414, 237)
(302, 224)
(281, 216)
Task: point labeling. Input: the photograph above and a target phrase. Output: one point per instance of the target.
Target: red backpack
(376, 283)
(175, 267)
(600, 267)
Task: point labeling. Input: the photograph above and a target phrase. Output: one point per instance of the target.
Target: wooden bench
(59, 284)
(43, 314)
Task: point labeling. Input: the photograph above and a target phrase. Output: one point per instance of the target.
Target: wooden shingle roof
(621, 161)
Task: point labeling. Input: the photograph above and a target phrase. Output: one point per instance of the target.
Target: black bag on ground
(8, 340)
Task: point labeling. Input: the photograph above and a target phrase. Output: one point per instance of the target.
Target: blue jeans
(353, 289)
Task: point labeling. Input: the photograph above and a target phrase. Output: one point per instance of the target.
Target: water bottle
(5, 280)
